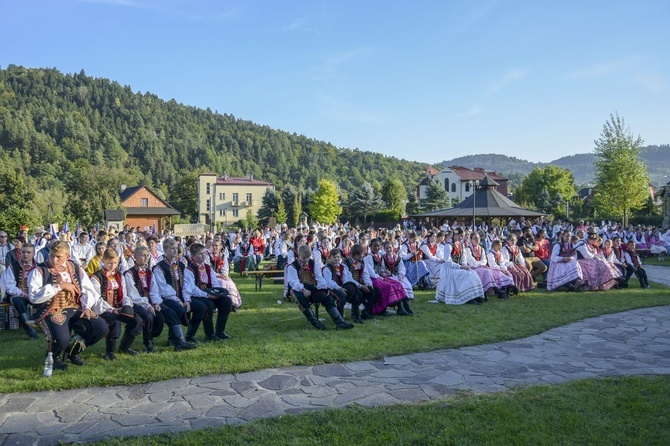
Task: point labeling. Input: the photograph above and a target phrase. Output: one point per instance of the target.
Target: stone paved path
(630, 343)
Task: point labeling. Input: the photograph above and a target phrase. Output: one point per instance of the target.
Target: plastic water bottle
(49, 365)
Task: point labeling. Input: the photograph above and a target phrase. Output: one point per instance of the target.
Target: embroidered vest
(377, 262)
(142, 280)
(391, 263)
(111, 291)
(356, 269)
(305, 272)
(202, 274)
(456, 252)
(173, 277)
(64, 299)
(337, 272)
(21, 275)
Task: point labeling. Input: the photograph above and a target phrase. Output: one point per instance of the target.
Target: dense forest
(657, 159)
(67, 141)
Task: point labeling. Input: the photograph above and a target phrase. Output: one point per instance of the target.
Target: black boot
(110, 348)
(356, 313)
(23, 317)
(178, 339)
(148, 341)
(500, 293)
(192, 330)
(76, 346)
(309, 314)
(126, 344)
(401, 310)
(337, 318)
(405, 305)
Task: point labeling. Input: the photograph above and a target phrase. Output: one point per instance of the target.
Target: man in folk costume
(14, 256)
(338, 281)
(619, 249)
(303, 277)
(66, 299)
(633, 259)
(138, 285)
(166, 290)
(116, 306)
(244, 256)
(369, 294)
(15, 283)
(5, 248)
(199, 277)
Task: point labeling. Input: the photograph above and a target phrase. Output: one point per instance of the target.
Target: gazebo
(486, 203)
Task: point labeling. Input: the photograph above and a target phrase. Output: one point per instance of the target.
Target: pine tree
(436, 197)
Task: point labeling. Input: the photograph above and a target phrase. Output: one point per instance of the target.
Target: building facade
(142, 207)
(226, 200)
(458, 181)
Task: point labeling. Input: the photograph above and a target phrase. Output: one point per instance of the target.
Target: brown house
(142, 207)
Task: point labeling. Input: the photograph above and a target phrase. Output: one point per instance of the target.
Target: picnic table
(258, 276)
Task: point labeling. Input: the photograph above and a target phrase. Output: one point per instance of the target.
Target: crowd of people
(116, 285)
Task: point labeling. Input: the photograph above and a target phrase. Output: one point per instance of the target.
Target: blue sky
(425, 81)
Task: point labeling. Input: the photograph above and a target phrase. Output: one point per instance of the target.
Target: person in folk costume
(475, 258)
(338, 281)
(345, 246)
(138, 285)
(640, 239)
(300, 240)
(115, 306)
(624, 268)
(396, 267)
(114, 244)
(303, 278)
(96, 261)
(155, 255)
(610, 256)
(598, 274)
(369, 295)
(258, 246)
(282, 247)
(5, 248)
(516, 265)
(166, 288)
(244, 260)
(14, 256)
(633, 259)
(128, 245)
(529, 248)
(219, 261)
(434, 264)
(412, 256)
(82, 251)
(198, 277)
(65, 298)
(458, 283)
(657, 246)
(321, 251)
(14, 282)
(497, 264)
(391, 291)
(564, 270)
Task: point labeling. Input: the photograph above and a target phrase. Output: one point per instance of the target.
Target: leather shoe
(110, 356)
(212, 338)
(192, 340)
(59, 365)
(223, 335)
(149, 347)
(76, 360)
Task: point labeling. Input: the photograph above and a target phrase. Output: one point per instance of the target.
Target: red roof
(477, 173)
(432, 171)
(241, 181)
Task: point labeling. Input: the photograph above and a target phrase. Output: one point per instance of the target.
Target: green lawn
(653, 260)
(267, 334)
(622, 411)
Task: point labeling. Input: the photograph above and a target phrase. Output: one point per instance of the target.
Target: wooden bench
(258, 276)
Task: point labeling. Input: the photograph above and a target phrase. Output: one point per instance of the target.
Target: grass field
(621, 411)
(267, 334)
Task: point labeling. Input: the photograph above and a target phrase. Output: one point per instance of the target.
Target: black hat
(217, 292)
(127, 310)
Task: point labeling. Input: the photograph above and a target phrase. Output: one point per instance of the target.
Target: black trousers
(641, 275)
(115, 321)
(317, 296)
(223, 305)
(351, 296)
(20, 304)
(173, 312)
(58, 331)
(152, 325)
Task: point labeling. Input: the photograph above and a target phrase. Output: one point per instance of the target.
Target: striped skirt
(563, 273)
(522, 278)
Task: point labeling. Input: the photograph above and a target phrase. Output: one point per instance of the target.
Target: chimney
(250, 176)
(225, 176)
(122, 188)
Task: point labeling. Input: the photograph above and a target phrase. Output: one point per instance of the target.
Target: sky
(426, 81)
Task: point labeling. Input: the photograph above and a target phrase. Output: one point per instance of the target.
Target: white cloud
(511, 76)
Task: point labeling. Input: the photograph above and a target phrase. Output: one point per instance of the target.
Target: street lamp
(567, 209)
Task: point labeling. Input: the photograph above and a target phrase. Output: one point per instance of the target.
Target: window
(222, 212)
(446, 184)
(249, 198)
(222, 196)
(236, 213)
(453, 187)
(145, 202)
(208, 205)
(467, 187)
(236, 198)
(208, 189)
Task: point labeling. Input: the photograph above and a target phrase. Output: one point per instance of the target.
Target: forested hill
(657, 159)
(76, 138)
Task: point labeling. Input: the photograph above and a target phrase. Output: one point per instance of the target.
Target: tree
(622, 183)
(394, 197)
(281, 212)
(325, 206)
(184, 196)
(269, 206)
(251, 222)
(364, 202)
(297, 209)
(436, 197)
(542, 184)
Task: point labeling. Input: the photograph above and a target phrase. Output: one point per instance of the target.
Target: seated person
(338, 281)
(14, 282)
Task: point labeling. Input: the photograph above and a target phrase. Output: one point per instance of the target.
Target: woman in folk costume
(345, 245)
(156, 256)
(321, 251)
(657, 246)
(475, 259)
(598, 274)
(516, 265)
(412, 256)
(244, 259)
(391, 291)
(219, 261)
(433, 263)
(564, 270)
(458, 284)
(394, 265)
(497, 265)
